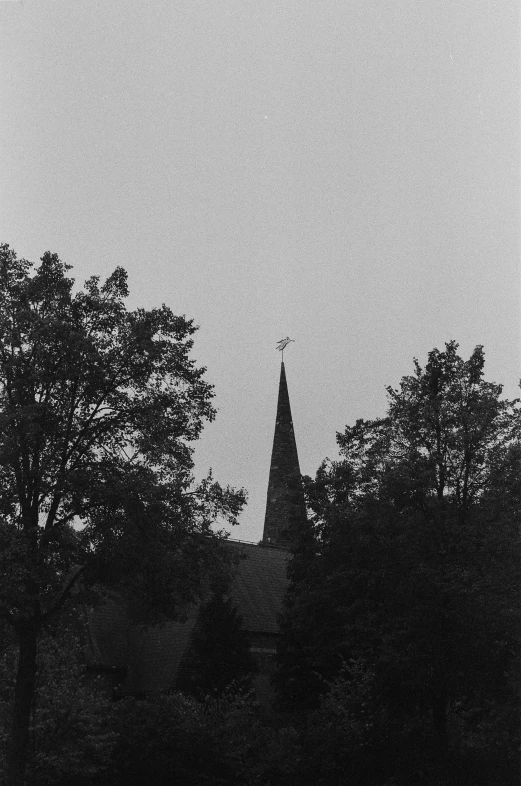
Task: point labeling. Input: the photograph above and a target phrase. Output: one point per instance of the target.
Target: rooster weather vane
(283, 343)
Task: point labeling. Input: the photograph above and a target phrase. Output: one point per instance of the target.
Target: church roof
(152, 654)
(259, 585)
(156, 654)
(107, 634)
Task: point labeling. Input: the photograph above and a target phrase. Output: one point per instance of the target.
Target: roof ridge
(261, 545)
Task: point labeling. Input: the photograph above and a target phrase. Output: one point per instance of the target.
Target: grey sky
(344, 172)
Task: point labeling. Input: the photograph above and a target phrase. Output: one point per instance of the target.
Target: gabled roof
(150, 655)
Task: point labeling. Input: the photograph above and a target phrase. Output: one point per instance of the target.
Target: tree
(219, 653)
(99, 406)
(415, 570)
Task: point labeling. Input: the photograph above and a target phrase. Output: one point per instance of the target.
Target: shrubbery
(72, 731)
(80, 736)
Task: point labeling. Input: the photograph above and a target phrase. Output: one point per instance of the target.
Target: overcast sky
(344, 172)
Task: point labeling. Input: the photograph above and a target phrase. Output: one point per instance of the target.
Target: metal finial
(283, 343)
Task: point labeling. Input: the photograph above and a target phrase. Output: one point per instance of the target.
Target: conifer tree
(219, 655)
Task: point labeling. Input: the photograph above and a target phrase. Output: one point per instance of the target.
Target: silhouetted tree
(415, 570)
(98, 407)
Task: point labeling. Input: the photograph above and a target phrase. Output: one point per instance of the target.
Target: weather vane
(283, 343)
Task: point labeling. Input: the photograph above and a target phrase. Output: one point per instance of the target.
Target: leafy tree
(99, 406)
(415, 569)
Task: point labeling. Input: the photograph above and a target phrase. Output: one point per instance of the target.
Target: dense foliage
(73, 732)
(99, 406)
(413, 573)
(79, 735)
(399, 659)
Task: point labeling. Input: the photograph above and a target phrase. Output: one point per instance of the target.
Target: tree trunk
(439, 717)
(23, 701)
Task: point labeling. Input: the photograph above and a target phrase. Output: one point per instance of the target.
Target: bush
(177, 739)
(72, 733)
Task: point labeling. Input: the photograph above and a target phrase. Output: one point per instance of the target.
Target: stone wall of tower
(285, 505)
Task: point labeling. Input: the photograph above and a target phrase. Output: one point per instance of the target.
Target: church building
(146, 659)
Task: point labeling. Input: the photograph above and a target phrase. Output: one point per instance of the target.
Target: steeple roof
(285, 504)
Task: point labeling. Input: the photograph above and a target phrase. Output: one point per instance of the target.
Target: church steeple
(285, 504)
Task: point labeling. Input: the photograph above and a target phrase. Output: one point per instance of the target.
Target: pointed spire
(285, 502)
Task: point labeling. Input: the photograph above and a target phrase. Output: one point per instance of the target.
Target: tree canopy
(99, 409)
(414, 569)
